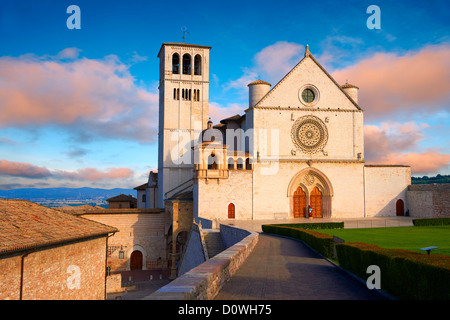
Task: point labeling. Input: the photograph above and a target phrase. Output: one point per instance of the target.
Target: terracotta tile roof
(78, 209)
(348, 85)
(259, 81)
(25, 225)
(121, 198)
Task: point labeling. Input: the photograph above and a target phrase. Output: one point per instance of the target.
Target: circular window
(309, 134)
(308, 95)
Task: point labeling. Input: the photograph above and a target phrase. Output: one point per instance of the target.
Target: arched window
(212, 164)
(230, 164)
(187, 63)
(176, 63)
(197, 65)
(240, 164)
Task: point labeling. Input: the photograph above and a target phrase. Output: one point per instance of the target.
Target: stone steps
(213, 241)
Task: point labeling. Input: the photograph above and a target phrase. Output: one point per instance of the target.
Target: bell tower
(183, 111)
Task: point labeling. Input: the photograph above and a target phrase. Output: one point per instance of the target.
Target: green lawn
(408, 238)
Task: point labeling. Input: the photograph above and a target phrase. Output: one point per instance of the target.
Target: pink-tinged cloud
(270, 64)
(22, 169)
(421, 163)
(417, 81)
(92, 174)
(87, 96)
(218, 112)
(394, 143)
(391, 137)
(28, 170)
(276, 60)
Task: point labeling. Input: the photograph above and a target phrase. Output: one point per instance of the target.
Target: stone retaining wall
(205, 281)
(429, 200)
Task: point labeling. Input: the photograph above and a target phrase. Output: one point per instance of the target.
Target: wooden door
(231, 211)
(315, 200)
(136, 260)
(299, 203)
(400, 207)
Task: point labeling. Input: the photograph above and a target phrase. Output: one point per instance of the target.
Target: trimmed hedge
(314, 225)
(431, 222)
(320, 242)
(404, 274)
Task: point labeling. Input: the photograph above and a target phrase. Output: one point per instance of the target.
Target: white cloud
(86, 97)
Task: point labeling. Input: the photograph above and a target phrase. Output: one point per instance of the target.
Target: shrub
(315, 225)
(404, 274)
(320, 242)
(431, 222)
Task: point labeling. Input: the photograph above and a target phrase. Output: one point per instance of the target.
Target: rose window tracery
(309, 134)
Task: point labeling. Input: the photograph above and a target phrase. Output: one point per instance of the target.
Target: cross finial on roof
(184, 31)
(307, 52)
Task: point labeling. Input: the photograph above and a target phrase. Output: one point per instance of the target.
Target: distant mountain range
(61, 194)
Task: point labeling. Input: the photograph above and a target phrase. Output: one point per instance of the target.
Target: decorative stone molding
(303, 109)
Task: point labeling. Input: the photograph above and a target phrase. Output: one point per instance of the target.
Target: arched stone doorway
(231, 211)
(314, 188)
(136, 260)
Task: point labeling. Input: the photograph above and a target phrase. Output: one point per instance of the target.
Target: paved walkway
(285, 269)
(137, 284)
(280, 269)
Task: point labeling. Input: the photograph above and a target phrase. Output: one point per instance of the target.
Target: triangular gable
(308, 55)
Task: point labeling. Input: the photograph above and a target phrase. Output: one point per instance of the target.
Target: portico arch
(308, 179)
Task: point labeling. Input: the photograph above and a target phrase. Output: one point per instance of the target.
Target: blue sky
(94, 90)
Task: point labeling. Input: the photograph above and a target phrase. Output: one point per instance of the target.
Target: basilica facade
(296, 150)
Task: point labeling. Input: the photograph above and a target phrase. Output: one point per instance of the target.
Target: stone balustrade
(205, 281)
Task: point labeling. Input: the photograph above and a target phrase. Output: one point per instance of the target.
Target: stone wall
(114, 283)
(214, 196)
(384, 186)
(273, 198)
(429, 200)
(205, 281)
(231, 235)
(139, 229)
(194, 253)
(72, 271)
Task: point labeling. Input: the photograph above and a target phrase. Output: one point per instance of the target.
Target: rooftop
(348, 85)
(26, 225)
(121, 198)
(259, 81)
